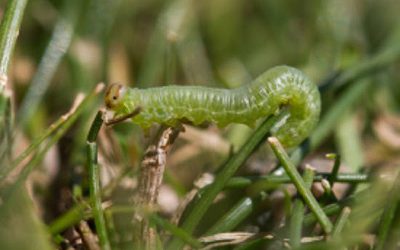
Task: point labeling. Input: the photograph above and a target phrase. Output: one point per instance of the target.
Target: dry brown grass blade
(232, 238)
(150, 179)
(88, 238)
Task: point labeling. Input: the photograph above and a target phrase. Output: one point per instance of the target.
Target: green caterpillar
(281, 86)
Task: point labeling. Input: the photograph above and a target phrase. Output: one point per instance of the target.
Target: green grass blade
(268, 180)
(387, 220)
(71, 217)
(94, 183)
(58, 45)
(300, 185)
(240, 211)
(176, 231)
(9, 31)
(296, 219)
(341, 221)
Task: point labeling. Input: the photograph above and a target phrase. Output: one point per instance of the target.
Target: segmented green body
(277, 87)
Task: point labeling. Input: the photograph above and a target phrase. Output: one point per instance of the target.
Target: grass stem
(335, 170)
(94, 183)
(300, 185)
(9, 30)
(341, 221)
(296, 220)
(268, 180)
(388, 217)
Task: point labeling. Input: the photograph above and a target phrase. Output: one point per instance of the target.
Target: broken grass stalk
(300, 185)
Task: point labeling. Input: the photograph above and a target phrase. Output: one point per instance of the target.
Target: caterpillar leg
(124, 117)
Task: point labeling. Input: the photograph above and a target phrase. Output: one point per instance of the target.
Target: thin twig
(231, 238)
(151, 175)
(88, 238)
(124, 117)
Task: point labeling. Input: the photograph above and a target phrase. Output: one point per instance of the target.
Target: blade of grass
(296, 219)
(71, 217)
(300, 185)
(367, 208)
(58, 45)
(231, 219)
(71, 115)
(335, 169)
(348, 141)
(387, 220)
(330, 209)
(267, 180)
(94, 182)
(198, 210)
(341, 221)
(176, 231)
(9, 30)
(335, 208)
(6, 128)
(112, 232)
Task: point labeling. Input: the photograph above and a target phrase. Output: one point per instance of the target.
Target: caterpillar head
(114, 95)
